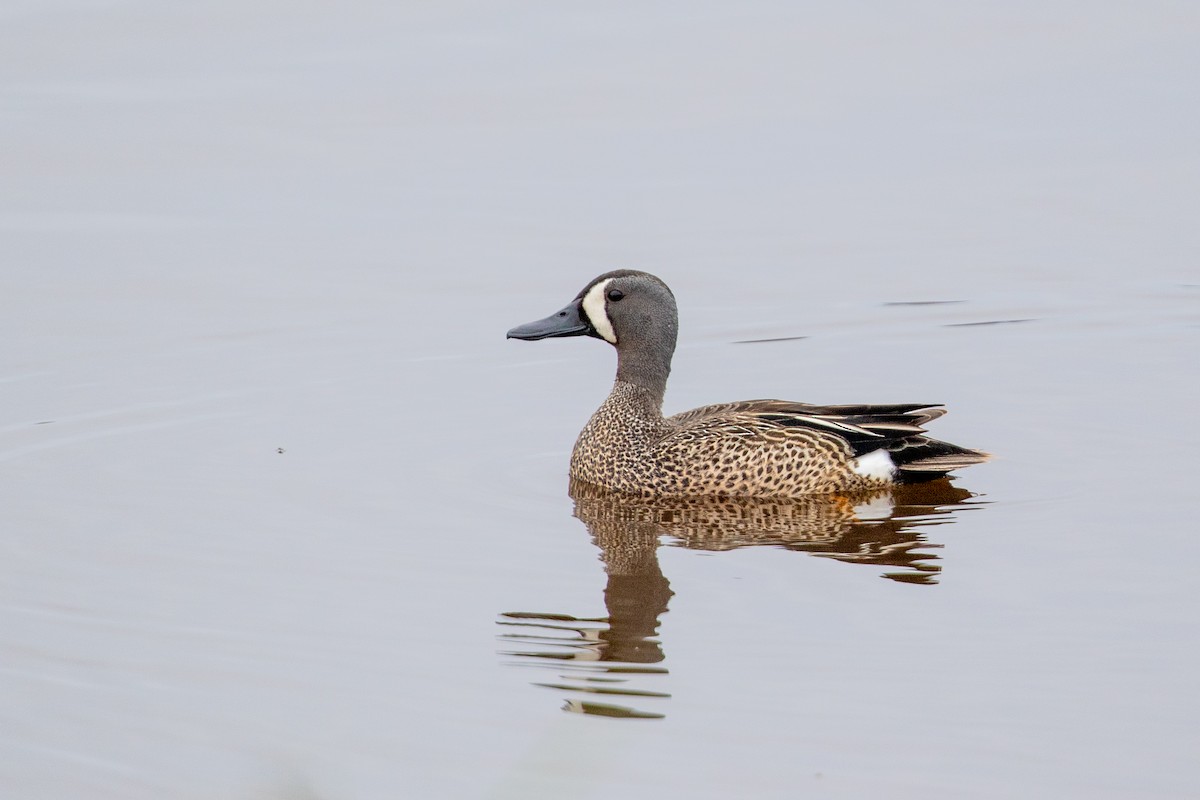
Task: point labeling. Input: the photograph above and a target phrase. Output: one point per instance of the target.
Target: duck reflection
(605, 656)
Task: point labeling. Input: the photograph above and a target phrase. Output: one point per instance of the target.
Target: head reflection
(609, 657)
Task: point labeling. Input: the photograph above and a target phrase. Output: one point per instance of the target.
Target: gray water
(285, 516)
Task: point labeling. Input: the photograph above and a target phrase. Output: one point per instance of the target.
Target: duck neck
(647, 372)
(645, 346)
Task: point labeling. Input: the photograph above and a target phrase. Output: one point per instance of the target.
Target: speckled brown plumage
(882, 527)
(755, 448)
(628, 446)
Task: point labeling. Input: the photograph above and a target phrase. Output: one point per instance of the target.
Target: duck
(748, 448)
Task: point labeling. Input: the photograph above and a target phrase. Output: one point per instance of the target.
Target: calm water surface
(285, 516)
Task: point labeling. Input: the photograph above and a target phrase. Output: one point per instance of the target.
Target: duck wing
(896, 428)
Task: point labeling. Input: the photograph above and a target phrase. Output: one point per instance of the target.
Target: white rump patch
(876, 508)
(875, 464)
(593, 306)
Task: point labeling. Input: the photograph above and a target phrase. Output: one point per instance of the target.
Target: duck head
(633, 311)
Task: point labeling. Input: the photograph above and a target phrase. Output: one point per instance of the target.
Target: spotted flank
(752, 448)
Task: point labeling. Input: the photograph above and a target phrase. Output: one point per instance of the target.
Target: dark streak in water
(603, 690)
(989, 322)
(606, 710)
(906, 577)
(550, 616)
(924, 302)
(776, 339)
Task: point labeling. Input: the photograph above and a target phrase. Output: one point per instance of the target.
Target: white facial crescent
(594, 308)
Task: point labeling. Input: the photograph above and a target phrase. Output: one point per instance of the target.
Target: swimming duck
(752, 448)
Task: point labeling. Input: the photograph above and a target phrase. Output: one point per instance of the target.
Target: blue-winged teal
(753, 448)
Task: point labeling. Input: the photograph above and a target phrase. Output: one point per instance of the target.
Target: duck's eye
(615, 294)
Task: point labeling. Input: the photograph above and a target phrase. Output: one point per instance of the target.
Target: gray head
(633, 311)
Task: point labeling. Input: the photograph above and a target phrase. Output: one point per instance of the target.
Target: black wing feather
(896, 428)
